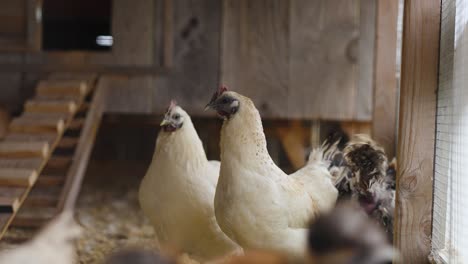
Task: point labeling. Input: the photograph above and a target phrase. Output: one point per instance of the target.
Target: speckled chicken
(364, 176)
(178, 189)
(256, 203)
(53, 245)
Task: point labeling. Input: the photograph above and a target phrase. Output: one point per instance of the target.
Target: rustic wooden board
(62, 87)
(195, 62)
(323, 64)
(17, 177)
(37, 124)
(26, 137)
(29, 163)
(50, 180)
(385, 98)
(416, 134)
(50, 106)
(255, 57)
(296, 59)
(9, 204)
(24, 149)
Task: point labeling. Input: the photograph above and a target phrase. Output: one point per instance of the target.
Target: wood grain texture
(324, 53)
(415, 154)
(18, 177)
(295, 59)
(385, 92)
(195, 63)
(255, 52)
(75, 173)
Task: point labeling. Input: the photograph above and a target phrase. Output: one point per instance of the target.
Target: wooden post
(385, 89)
(415, 152)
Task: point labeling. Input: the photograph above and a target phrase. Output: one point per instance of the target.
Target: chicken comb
(221, 89)
(172, 104)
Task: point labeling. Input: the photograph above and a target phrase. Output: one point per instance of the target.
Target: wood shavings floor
(108, 209)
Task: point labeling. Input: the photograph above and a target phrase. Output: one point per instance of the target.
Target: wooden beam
(9, 204)
(18, 177)
(385, 89)
(62, 87)
(38, 124)
(85, 145)
(293, 138)
(24, 149)
(50, 106)
(415, 152)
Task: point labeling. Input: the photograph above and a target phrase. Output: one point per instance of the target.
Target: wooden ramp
(45, 153)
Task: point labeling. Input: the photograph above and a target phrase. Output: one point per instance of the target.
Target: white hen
(178, 190)
(256, 203)
(53, 245)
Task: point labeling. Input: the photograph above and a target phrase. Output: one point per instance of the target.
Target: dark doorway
(77, 25)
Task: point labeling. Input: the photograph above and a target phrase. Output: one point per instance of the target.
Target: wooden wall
(419, 76)
(295, 58)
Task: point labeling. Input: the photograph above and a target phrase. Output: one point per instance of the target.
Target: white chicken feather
(53, 245)
(178, 190)
(256, 203)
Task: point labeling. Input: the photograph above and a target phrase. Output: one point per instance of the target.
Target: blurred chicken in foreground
(347, 235)
(53, 245)
(343, 236)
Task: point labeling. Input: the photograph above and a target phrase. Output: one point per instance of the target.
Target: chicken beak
(209, 106)
(164, 122)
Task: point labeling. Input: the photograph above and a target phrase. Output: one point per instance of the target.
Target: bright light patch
(105, 41)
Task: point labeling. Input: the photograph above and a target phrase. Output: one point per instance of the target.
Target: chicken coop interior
(233, 131)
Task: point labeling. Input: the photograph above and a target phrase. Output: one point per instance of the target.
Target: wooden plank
(30, 221)
(68, 142)
(293, 138)
(83, 151)
(50, 180)
(196, 34)
(255, 57)
(37, 124)
(26, 137)
(24, 149)
(9, 204)
(29, 163)
(62, 87)
(415, 154)
(50, 106)
(366, 58)
(351, 128)
(17, 177)
(41, 201)
(76, 124)
(324, 45)
(385, 98)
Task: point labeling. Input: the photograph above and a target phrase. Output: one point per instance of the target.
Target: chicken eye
(225, 100)
(176, 116)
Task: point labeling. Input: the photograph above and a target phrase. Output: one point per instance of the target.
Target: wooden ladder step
(50, 180)
(24, 149)
(43, 200)
(17, 177)
(30, 221)
(62, 87)
(50, 106)
(37, 124)
(30, 163)
(76, 124)
(68, 142)
(32, 137)
(33, 217)
(9, 204)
